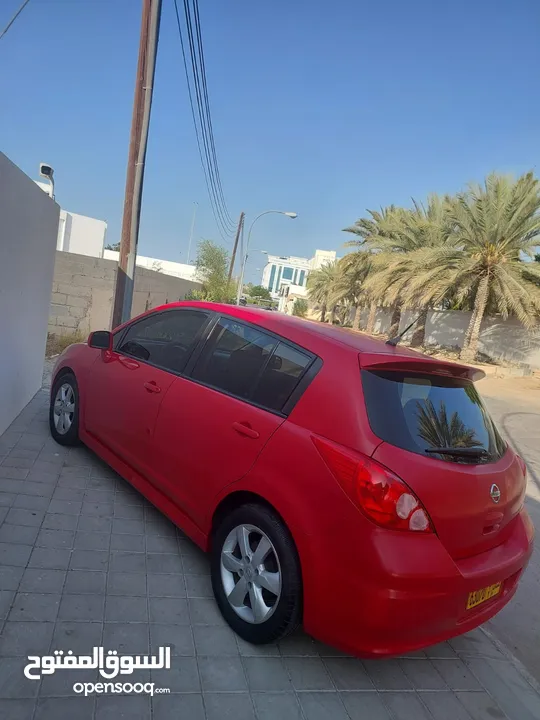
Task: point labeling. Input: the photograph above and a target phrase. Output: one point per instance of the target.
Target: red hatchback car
(359, 488)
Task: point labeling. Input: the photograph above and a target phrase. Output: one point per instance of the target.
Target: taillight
(379, 494)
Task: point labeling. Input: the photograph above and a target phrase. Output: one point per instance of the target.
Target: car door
(213, 424)
(128, 384)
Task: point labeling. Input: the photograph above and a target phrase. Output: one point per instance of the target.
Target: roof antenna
(395, 340)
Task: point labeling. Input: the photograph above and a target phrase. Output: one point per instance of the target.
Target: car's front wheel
(256, 574)
(64, 410)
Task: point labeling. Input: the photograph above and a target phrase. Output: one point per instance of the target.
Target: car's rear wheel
(256, 574)
(64, 410)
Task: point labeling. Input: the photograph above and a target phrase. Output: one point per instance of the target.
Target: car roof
(298, 330)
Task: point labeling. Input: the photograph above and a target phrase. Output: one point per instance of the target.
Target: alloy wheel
(64, 408)
(250, 573)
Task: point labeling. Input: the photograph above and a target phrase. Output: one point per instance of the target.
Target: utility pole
(238, 231)
(140, 121)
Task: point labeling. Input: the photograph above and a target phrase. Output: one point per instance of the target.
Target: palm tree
(349, 284)
(494, 227)
(379, 233)
(397, 237)
(321, 286)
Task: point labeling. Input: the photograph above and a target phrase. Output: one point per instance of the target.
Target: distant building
(81, 234)
(78, 233)
(282, 271)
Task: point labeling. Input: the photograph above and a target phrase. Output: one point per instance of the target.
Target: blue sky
(322, 108)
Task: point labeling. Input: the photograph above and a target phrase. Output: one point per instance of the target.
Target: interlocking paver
(349, 674)
(405, 706)
(267, 673)
(64, 707)
(365, 706)
(18, 709)
(214, 640)
(422, 674)
(444, 706)
(187, 706)
(179, 638)
(42, 580)
(308, 674)
(222, 674)
(284, 706)
(321, 706)
(236, 706)
(81, 607)
(81, 582)
(18, 534)
(86, 561)
(25, 638)
(120, 583)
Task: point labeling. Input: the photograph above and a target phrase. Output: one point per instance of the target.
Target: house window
(302, 277)
(272, 277)
(278, 283)
(287, 273)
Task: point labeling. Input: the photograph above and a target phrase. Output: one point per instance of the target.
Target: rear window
(423, 413)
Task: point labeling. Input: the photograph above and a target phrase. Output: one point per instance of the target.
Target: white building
(81, 234)
(167, 267)
(78, 233)
(86, 236)
(282, 271)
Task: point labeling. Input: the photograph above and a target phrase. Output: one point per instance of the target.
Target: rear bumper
(408, 593)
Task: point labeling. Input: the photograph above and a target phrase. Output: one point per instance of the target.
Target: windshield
(426, 413)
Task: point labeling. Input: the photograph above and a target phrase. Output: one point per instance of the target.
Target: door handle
(245, 429)
(152, 387)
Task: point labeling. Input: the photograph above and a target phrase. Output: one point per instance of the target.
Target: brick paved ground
(85, 561)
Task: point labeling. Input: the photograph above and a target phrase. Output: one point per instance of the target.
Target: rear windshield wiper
(473, 452)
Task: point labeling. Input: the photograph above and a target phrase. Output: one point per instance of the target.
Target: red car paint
(188, 447)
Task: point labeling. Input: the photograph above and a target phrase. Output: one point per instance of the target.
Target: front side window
(164, 339)
(234, 358)
(429, 413)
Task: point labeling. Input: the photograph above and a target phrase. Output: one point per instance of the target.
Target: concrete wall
(28, 230)
(500, 339)
(83, 288)
(81, 234)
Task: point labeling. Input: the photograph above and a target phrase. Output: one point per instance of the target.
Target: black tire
(286, 614)
(71, 436)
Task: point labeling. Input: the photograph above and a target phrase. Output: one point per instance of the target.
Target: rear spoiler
(419, 364)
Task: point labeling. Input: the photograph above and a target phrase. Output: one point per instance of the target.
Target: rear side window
(234, 358)
(424, 413)
(164, 339)
(280, 376)
(250, 364)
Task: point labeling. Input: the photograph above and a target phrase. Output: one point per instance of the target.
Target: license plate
(481, 596)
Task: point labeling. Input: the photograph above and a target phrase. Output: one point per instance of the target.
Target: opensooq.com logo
(109, 666)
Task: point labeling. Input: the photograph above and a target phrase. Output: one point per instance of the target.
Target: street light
(292, 215)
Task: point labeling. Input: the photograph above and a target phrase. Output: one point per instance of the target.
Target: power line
(197, 133)
(10, 23)
(203, 128)
(207, 105)
(203, 117)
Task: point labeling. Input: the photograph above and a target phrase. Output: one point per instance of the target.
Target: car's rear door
(474, 486)
(214, 423)
(127, 385)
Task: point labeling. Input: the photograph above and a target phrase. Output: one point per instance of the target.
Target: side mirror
(100, 339)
